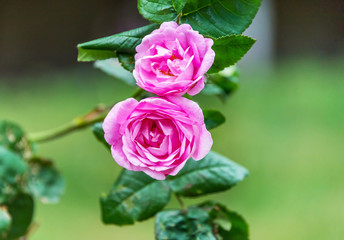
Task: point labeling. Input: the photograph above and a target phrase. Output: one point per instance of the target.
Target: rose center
(151, 134)
(171, 64)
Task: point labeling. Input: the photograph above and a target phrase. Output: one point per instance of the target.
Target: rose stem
(180, 201)
(96, 115)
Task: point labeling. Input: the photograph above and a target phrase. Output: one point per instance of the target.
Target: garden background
(285, 123)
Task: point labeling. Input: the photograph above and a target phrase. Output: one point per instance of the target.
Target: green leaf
(178, 5)
(213, 118)
(218, 18)
(99, 134)
(45, 182)
(214, 173)
(113, 68)
(5, 222)
(215, 18)
(134, 197)
(108, 47)
(194, 224)
(229, 50)
(127, 61)
(222, 84)
(158, 10)
(11, 166)
(21, 210)
(228, 224)
(89, 55)
(12, 137)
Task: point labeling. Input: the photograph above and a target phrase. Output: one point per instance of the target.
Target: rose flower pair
(159, 134)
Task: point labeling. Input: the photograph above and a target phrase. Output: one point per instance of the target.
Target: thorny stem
(96, 115)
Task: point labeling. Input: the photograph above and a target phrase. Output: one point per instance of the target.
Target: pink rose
(172, 60)
(156, 135)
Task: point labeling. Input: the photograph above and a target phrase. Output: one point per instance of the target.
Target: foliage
(45, 182)
(120, 45)
(210, 17)
(227, 225)
(214, 173)
(184, 225)
(5, 222)
(208, 220)
(223, 84)
(132, 197)
(22, 177)
(229, 50)
(213, 118)
(20, 208)
(135, 196)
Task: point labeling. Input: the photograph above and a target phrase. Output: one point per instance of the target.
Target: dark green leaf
(113, 68)
(194, 224)
(158, 10)
(213, 118)
(45, 182)
(218, 18)
(12, 137)
(5, 222)
(229, 50)
(214, 173)
(215, 18)
(223, 83)
(228, 224)
(99, 134)
(108, 47)
(134, 197)
(127, 61)
(21, 210)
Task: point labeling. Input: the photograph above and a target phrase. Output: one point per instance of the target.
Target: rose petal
(203, 144)
(117, 116)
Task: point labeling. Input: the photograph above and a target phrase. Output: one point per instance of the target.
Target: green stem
(181, 203)
(178, 18)
(96, 115)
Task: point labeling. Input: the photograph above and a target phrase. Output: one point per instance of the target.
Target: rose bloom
(172, 60)
(156, 135)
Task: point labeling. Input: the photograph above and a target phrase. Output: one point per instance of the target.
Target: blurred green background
(285, 123)
(285, 126)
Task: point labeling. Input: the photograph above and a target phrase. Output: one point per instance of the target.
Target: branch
(78, 123)
(96, 115)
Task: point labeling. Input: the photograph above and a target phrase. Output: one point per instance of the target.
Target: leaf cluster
(209, 221)
(136, 197)
(23, 176)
